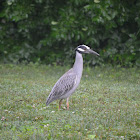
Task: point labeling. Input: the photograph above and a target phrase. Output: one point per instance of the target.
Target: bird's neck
(78, 65)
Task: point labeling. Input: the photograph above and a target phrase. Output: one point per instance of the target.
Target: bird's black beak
(92, 52)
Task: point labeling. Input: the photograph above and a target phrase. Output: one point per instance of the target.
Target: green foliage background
(47, 31)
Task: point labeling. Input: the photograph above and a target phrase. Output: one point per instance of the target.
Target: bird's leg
(67, 103)
(60, 102)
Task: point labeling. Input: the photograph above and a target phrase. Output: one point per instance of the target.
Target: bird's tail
(49, 100)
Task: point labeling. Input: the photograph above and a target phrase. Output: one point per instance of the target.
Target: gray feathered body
(68, 83)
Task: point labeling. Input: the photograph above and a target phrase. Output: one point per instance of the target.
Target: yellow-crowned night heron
(68, 83)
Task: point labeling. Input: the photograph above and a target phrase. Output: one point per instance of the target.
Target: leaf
(54, 23)
(9, 2)
(96, 1)
(84, 29)
(87, 7)
(91, 136)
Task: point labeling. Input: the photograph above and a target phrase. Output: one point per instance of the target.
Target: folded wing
(62, 86)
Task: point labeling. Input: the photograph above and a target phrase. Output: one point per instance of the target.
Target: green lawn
(105, 106)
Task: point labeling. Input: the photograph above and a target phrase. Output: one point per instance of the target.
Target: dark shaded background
(48, 31)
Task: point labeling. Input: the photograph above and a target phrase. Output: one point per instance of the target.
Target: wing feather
(62, 86)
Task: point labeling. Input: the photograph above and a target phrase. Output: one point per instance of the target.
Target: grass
(105, 106)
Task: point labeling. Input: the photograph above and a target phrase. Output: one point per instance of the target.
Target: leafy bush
(48, 31)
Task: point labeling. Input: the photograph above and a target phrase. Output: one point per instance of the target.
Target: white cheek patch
(81, 50)
(86, 46)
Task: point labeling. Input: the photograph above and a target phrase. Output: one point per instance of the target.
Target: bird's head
(85, 49)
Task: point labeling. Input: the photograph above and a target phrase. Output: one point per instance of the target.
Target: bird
(68, 83)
